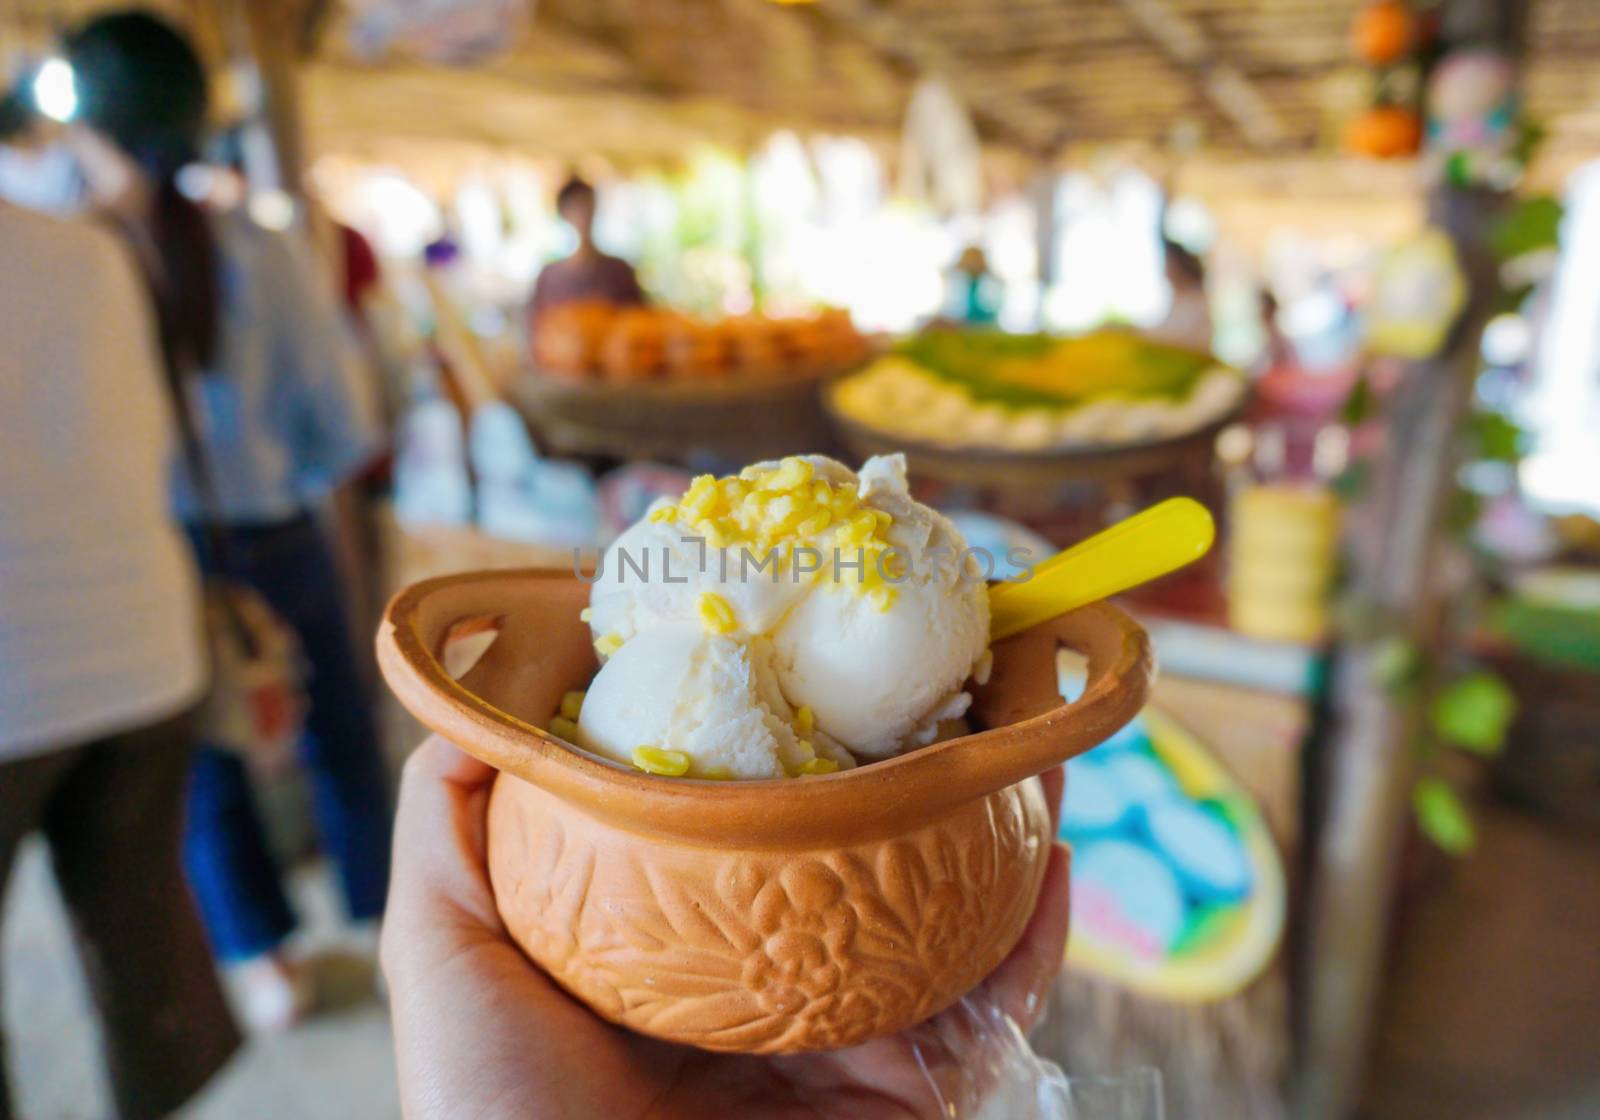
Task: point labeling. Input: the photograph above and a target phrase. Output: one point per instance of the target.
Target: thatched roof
(642, 78)
(1039, 75)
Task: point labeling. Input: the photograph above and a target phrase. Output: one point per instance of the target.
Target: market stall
(1305, 263)
(1056, 435)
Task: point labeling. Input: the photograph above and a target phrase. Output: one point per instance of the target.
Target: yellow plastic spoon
(1149, 544)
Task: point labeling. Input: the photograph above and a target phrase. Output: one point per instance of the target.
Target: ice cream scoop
(680, 702)
(857, 600)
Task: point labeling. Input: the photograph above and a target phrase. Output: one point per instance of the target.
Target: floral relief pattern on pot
(767, 951)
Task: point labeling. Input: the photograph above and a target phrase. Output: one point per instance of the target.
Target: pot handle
(522, 674)
(1031, 728)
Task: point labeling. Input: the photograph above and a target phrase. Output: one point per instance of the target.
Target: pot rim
(1029, 728)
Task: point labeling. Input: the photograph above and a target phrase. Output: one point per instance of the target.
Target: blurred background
(1331, 266)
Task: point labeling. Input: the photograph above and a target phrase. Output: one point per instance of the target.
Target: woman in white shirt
(101, 649)
(283, 418)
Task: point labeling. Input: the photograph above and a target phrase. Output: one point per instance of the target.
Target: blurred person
(352, 268)
(282, 419)
(1277, 352)
(480, 1031)
(1188, 320)
(37, 170)
(588, 274)
(102, 658)
(972, 291)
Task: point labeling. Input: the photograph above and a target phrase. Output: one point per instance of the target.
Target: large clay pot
(769, 916)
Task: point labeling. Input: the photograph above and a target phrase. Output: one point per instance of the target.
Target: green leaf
(1442, 817)
(1360, 404)
(1395, 663)
(1530, 225)
(1491, 436)
(1474, 713)
(1530, 137)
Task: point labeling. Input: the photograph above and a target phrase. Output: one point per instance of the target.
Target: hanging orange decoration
(1384, 132)
(1383, 32)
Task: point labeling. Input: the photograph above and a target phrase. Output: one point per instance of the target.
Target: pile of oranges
(601, 341)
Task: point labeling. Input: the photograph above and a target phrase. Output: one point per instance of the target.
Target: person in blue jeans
(235, 878)
(284, 420)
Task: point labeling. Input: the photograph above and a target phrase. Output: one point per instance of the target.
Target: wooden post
(274, 45)
(1046, 237)
(1369, 772)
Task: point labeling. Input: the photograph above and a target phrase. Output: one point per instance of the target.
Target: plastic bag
(980, 1066)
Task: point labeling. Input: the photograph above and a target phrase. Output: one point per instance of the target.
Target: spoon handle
(1149, 544)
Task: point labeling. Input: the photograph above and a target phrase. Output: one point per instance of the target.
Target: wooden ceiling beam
(1186, 45)
(1053, 20)
(1037, 129)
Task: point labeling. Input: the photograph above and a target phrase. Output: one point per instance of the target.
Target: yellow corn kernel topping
(608, 644)
(659, 760)
(805, 753)
(716, 614)
(572, 703)
(819, 766)
(563, 728)
(792, 474)
(772, 509)
(805, 720)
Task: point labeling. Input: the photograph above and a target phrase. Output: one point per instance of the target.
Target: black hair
(141, 84)
(15, 114)
(1187, 264)
(227, 145)
(572, 190)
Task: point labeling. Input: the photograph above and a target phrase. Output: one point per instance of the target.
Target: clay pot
(770, 916)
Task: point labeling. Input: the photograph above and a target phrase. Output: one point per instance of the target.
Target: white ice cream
(876, 664)
(715, 699)
(879, 681)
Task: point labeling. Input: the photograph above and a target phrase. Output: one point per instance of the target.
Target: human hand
(481, 1033)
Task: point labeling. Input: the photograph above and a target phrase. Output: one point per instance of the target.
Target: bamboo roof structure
(1248, 77)
(642, 79)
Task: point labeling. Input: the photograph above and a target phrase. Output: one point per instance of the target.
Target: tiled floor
(336, 1067)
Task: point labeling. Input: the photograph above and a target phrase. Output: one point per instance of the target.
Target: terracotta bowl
(763, 917)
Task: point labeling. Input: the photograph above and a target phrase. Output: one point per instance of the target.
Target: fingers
(438, 760)
(468, 1009)
(1023, 979)
(438, 881)
(1055, 783)
(443, 797)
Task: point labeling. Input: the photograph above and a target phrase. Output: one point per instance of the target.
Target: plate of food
(989, 406)
(647, 381)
